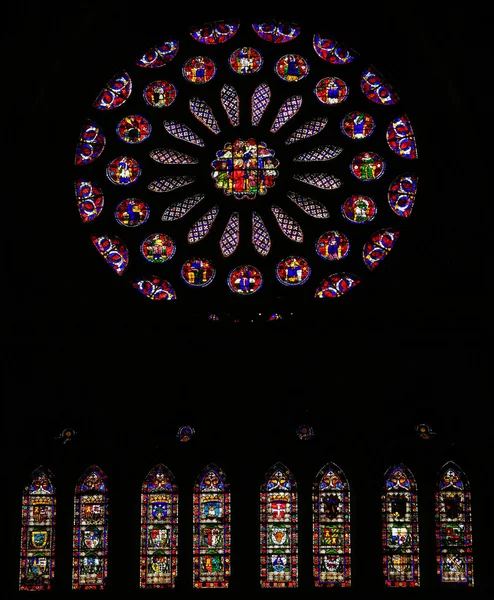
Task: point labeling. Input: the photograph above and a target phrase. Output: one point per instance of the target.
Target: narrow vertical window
(279, 529)
(400, 534)
(211, 523)
(37, 567)
(90, 537)
(331, 528)
(453, 526)
(159, 529)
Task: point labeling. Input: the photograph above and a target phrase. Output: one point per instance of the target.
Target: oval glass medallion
(293, 270)
(158, 248)
(123, 170)
(198, 272)
(245, 280)
(199, 69)
(245, 61)
(131, 212)
(359, 209)
(134, 129)
(292, 68)
(332, 245)
(367, 166)
(159, 93)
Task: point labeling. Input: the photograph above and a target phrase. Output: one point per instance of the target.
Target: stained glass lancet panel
(37, 566)
(400, 533)
(159, 529)
(211, 526)
(331, 528)
(453, 526)
(279, 529)
(90, 536)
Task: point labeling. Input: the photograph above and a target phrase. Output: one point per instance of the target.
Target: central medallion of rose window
(244, 169)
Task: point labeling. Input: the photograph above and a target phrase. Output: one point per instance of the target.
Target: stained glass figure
(169, 156)
(333, 245)
(401, 194)
(424, 431)
(113, 250)
(158, 56)
(90, 199)
(160, 93)
(90, 145)
(259, 102)
(292, 270)
(211, 529)
(275, 317)
(331, 528)
(168, 184)
(379, 246)
(288, 110)
(307, 130)
(358, 125)
(332, 51)
(213, 317)
(453, 527)
(400, 530)
(155, 288)
(115, 93)
(376, 88)
(277, 32)
(179, 209)
(292, 68)
(279, 529)
(199, 69)
(336, 285)
(90, 536)
(159, 529)
(39, 511)
(319, 154)
(305, 432)
(231, 103)
(204, 114)
(202, 226)
(323, 181)
(288, 225)
(132, 212)
(198, 272)
(158, 248)
(400, 137)
(67, 435)
(134, 129)
(367, 166)
(216, 32)
(245, 60)
(331, 90)
(230, 237)
(260, 235)
(314, 208)
(182, 132)
(359, 209)
(245, 280)
(123, 170)
(185, 433)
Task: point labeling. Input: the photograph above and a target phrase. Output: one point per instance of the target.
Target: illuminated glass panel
(319, 154)
(91, 143)
(260, 235)
(230, 237)
(323, 181)
(202, 226)
(453, 526)
(292, 270)
(359, 209)
(158, 248)
(90, 537)
(336, 285)
(160, 93)
(277, 32)
(155, 288)
(288, 109)
(113, 250)
(400, 530)
(204, 114)
(168, 156)
(182, 132)
(376, 89)
(245, 280)
(179, 209)
(332, 245)
(245, 60)
(37, 560)
(279, 529)
(115, 93)
(401, 194)
(358, 125)
(167, 184)
(134, 129)
(292, 68)
(314, 208)
(331, 90)
(197, 272)
(159, 529)
(331, 528)
(332, 51)
(259, 102)
(199, 69)
(288, 225)
(123, 170)
(367, 166)
(230, 101)
(307, 130)
(90, 200)
(401, 139)
(216, 32)
(379, 246)
(158, 56)
(211, 529)
(132, 212)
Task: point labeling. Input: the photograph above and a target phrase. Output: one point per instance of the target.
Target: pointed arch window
(211, 526)
(279, 529)
(37, 565)
(331, 528)
(453, 526)
(90, 536)
(159, 529)
(400, 533)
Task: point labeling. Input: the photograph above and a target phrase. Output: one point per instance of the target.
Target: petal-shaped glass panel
(133, 129)
(323, 181)
(132, 212)
(259, 102)
(336, 285)
(198, 272)
(202, 226)
(332, 51)
(158, 248)
(379, 246)
(245, 60)
(167, 184)
(245, 280)
(260, 235)
(359, 209)
(199, 69)
(319, 154)
(231, 103)
(288, 225)
(230, 237)
(288, 109)
(401, 194)
(400, 137)
(292, 270)
(182, 132)
(307, 130)
(155, 288)
(215, 32)
(179, 209)
(113, 250)
(277, 32)
(367, 166)
(331, 90)
(115, 93)
(292, 68)
(311, 207)
(159, 93)
(357, 125)
(168, 156)
(91, 143)
(123, 170)
(158, 56)
(332, 245)
(203, 113)
(90, 199)
(376, 89)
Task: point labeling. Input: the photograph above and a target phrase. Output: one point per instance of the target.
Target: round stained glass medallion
(332, 245)
(157, 248)
(292, 67)
(198, 272)
(293, 270)
(245, 280)
(134, 129)
(159, 93)
(359, 208)
(368, 166)
(132, 212)
(331, 90)
(185, 433)
(199, 69)
(123, 170)
(245, 60)
(358, 125)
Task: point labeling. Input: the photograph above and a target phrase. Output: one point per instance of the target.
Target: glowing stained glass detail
(245, 60)
(260, 235)
(231, 103)
(331, 90)
(113, 250)
(215, 32)
(158, 56)
(367, 166)
(230, 237)
(155, 288)
(198, 272)
(357, 125)
(90, 534)
(332, 245)
(168, 156)
(336, 285)
(288, 110)
(132, 212)
(202, 226)
(401, 194)
(159, 93)
(277, 32)
(179, 209)
(185, 433)
(305, 432)
(379, 246)
(453, 527)
(37, 557)
(199, 69)
(400, 137)
(332, 51)
(331, 528)
(167, 184)
(123, 170)
(90, 200)
(245, 280)
(182, 132)
(134, 129)
(376, 89)
(311, 207)
(244, 169)
(292, 68)
(279, 529)
(359, 209)
(158, 248)
(259, 102)
(211, 529)
(115, 93)
(90, 145)
(319, 154)
(323, 181)
(292, 270)
(204, 114)
(307, 130)
(159, 529)
(400, 533)
(288, 225)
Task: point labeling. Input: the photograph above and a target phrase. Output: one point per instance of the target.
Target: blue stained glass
(323, 181)
(307, 130)
(155, 288)
(277, 32)
(158, 56)
(288, 109)
(321, 153)
(331, 51)
(179, 209)
(376, 89)
(203, 113)
(216, 32)
(168, 156)
(231, 103)
(314, 208)
(400, 137)
(288, 225)
(231, 236)
(259, 102)
(167, 184)
(182, 132)
(336, 285)
(115, 93)
(202, 226)
(260, 235)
